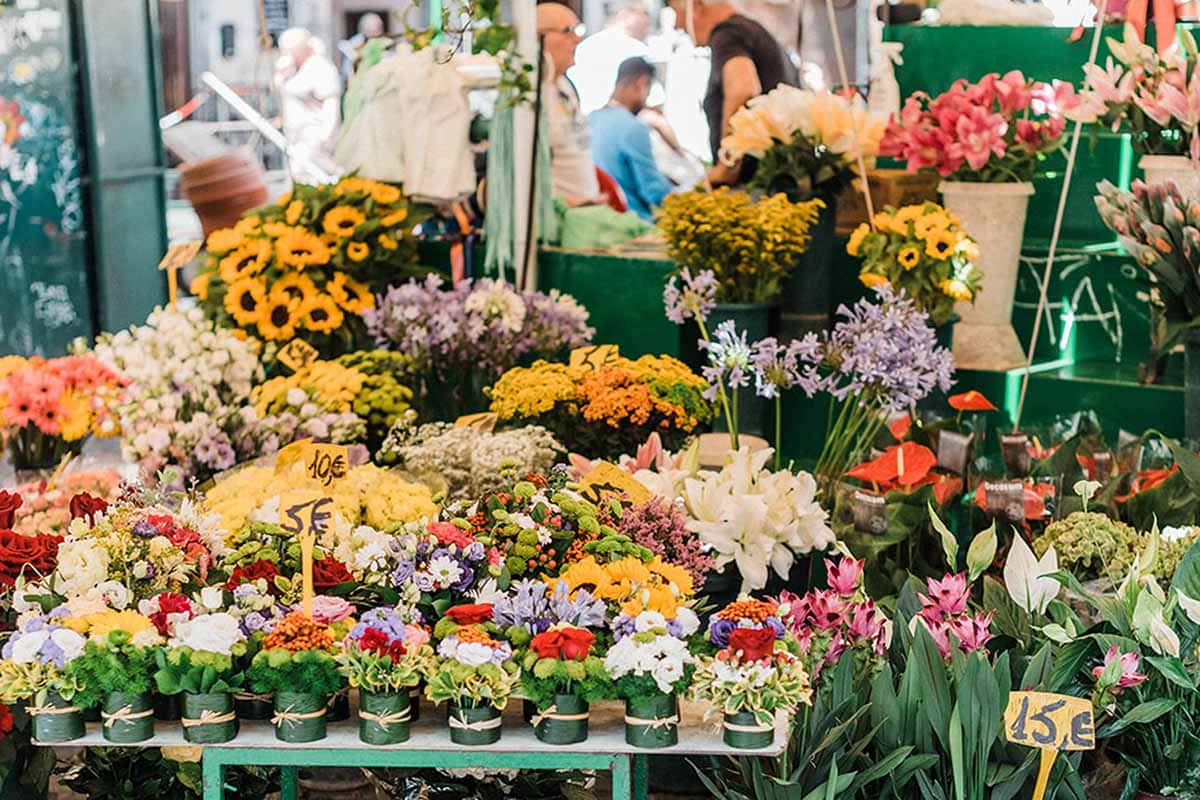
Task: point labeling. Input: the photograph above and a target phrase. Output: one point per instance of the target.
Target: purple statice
(729, 359)
(695, 299)
(145, 529)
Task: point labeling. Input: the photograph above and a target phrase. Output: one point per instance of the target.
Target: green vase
(57, 720)
(652, 721)
(338, 709)
(563, 722)
(127, 718)
(806, 300)
(252, 706)
(476, 726)
(384, 717)
(299, 716)
(209, 718)
(742, 730)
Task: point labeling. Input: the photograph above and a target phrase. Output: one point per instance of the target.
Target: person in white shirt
(601, 54)
(310, 95)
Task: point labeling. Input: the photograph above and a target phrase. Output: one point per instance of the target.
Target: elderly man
(310, 95)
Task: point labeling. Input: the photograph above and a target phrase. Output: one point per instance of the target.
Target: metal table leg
(288, 789)
(213, 777)
(641, 777)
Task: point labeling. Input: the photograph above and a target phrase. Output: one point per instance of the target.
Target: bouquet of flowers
(324, 391)
(992, 131)
(296, 665)
(33, 670)
(201, 661)
(561, 676)
(48, 407)
(605, 411)
(753, 676)
(461, 339)
(436, 562)
(476, 674)
(650, 665)
(750, 245)
(804, 141)
(922, 251)
(661, 526)
(308, 265)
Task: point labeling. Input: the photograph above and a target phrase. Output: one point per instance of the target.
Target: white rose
(82, 565)
(25, 649)
(211, 597)
(473, 654)
(213, 633)
(70, 642)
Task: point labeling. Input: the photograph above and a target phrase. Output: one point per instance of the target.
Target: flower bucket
(475, 726)
(565, 721)
(383, 717)
(1191, 383)
(1180, 169)
(209, 718)
(652, 721)
(743, 730)
(299, 716)
(254, 706)
(338, 708)
(58, 720)
(806, 301)
(168, 707)
(127, 718)
(994, 214)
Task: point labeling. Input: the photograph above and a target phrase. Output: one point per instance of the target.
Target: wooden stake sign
(305, 513)
(485, 421)
(325, 463)
(297, 354)
(177, 258)
(607, 481)
(1052, 723)
(594, 356)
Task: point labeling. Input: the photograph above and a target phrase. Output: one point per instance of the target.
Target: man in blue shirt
(621, 143)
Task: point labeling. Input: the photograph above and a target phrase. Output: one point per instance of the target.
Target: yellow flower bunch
(334, 387)
(750, 245)
(527, 392)
(923, 250)
(310, 264)
(99, 625)
(632, 585)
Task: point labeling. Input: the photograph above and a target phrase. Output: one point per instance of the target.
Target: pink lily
(1013, 92)
(1185, 107)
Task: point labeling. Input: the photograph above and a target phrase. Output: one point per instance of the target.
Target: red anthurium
(900, 427)
(1035, 499)
(905, 464)
(971, 401)
(1148, 479)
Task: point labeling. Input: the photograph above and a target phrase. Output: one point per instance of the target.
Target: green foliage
(489, 684)
(379, 673)
(135, 773)
(280, 670)
(542, 678)
(182, 669)
(115, 668)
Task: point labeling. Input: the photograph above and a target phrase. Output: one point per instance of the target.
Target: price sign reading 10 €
(1051, 723)
(325, 463)
(305, 513)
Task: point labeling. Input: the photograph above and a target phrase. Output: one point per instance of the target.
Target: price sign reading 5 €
(305, 513)
(1052, 723)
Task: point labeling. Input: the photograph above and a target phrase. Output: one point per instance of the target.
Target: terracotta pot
(224, 188)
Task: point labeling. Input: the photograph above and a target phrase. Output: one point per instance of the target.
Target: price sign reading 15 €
(1051, 723)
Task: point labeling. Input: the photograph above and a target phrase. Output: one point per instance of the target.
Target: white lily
(1163, 638)
(1024, 577)
(1190, 606)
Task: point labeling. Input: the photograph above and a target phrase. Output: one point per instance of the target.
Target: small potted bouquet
(651, 668)
(257, 611)
(33, 670)
(385, 657)
(561, 677)
(753, 675)
(115, 670)
(199, 662)
(476, 674)
(296, 666)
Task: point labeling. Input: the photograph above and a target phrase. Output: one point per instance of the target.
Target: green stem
(733, 425)
(778, 431)
(730, 422)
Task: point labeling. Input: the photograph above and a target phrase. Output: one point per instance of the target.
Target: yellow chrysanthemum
(854, 246)
(223, 240)
(294, 210)
(351, 295)
(872, 279)
(297, 286)
(387, 242)
(909, 256)
(358, 251)
(941, 246)
(244, 300)
(299, 248)
(199, 285)
(384, 194)
(279, 317)
(322, 315)
(342, 220)
(956, 289)
(394, 219)
(248, 225)
(249, 259)
(75, 416)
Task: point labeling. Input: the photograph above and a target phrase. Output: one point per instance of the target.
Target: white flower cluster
(652, 651)
(212, 633)
(730, 676)
(366, 552)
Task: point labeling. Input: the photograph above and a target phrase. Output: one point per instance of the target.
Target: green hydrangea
(1091, 545)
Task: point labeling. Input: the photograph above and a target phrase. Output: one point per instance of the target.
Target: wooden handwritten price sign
(297, 354)
(305, 513)
(177, 257)
(1052, 723)
(485, 422)
(594, 356)
(325, 463)
(290, 454)
(607, 481)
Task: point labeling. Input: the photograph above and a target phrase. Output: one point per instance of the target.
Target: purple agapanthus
(694, 299)
(776, 367)
(729, 359)
(529, 605)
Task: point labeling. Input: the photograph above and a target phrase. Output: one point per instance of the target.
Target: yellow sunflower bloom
(882, 220)
(930, 225)
(223, 240)
(941, 246)
(342, 220)
(358, 251)
(584, 574)
(248, 225)
(351, 295)
(351, 186)
(384, 194)
(244, 300)
(249, 259)
(297, 286)
(279, 318)
(322, 314)
(199, 285)
(673, 573)
(394, 219)
(909, 256)
(854, 246)
(872, 279)
(299, 248)
(956, 289)
(294, 210)
(276, 229)
(284, 199)
(387, 242)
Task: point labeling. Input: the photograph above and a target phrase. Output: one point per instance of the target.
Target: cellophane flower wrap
(923, 251)
(385, 652)
(804, 140)
(475, 668)
(33, 660)
(996, 130)
(202, 656)
(755, 670)
(119, 655)
(308, 266)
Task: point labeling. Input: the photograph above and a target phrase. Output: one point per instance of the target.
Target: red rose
(252, 572)
(87, 506)
(9, 503)
(567, 644)
(373, 641)
(547, 644)
(470, 614)
(6, 721)
(752, 643)
(329, 572)
(36, 555)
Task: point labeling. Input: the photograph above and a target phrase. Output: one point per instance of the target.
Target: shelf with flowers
(308, 266)
(296, 666)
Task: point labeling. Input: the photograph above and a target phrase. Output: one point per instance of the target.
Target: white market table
(430, 746)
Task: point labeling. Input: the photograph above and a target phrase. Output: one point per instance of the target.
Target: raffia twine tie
(461, 723)
(124, 714)
(295, 717)
(208, 717)
(552, 713)
(737, 728)
(333, 698)
(252, 697)
(385, 720)
(658, 722)
(37, 711)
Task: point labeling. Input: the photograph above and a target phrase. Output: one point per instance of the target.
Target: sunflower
(276, 229)
(351, 186)
(249, 259)
(930, 225)
(872, 279)
(672, 573)
(387, 242)
(294, 210)
(279, 318)
(909, 256)
(342, 220)
(331, 240)
(223, 240)
(297, 286)
(322, 314)
(248, 225)
(299, 248)
(585, 574)
(244, 300)
(395, 218)
(941, 246)
(199, 285)
(284, 199)
(384, 194)
(351, 295)
(358, 251)
(956, 289)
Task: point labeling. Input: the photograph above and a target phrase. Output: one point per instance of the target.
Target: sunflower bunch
(923, 250)
(308, 265)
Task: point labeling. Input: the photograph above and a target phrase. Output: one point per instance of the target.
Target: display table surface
(430, 746)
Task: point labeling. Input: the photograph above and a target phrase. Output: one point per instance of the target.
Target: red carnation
(169, 603)
(752, 643)
(252, 572)
(329, 572)
(449, 533)
(6, 721)
(9, 503)
(36, 555)
(87, 506)
(396, 651)
(471, 614)
(566, 644)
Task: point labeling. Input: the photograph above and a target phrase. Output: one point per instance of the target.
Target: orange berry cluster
(756, 610)
(297, 632)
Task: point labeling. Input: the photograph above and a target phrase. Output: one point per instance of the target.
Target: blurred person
(370, 26)
(309, 95)
(599, 55)
(571, 166)
(621, 143)
(746, 62)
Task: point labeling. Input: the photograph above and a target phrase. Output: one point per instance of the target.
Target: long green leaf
(930, 676)
(958, 763)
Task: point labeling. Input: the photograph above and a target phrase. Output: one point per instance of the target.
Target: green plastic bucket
(652, 721)
(209, 718)
(743, 730)
(383, 717)
(299, 716)
(475, 726)
(127, 718)
(58, 720)
(563, 722)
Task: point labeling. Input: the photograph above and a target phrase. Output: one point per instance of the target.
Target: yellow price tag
(325, 463)
(306, 514)
(290, 454)
(608, 481)
(1052, 723)
(594, 356)
(485, 422)
(175, 259)
(297, 354)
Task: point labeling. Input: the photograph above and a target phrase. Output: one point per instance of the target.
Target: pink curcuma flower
(868, 624)
(844, 575)
(948, 597)
(827, 610)
(1130, 676)
(973, 633)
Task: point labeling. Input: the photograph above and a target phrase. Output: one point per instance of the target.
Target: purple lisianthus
(145, 529)
(719, 630)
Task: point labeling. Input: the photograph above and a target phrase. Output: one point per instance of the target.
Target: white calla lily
(1024, 577)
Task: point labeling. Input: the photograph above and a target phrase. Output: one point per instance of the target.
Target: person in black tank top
(747, 61)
